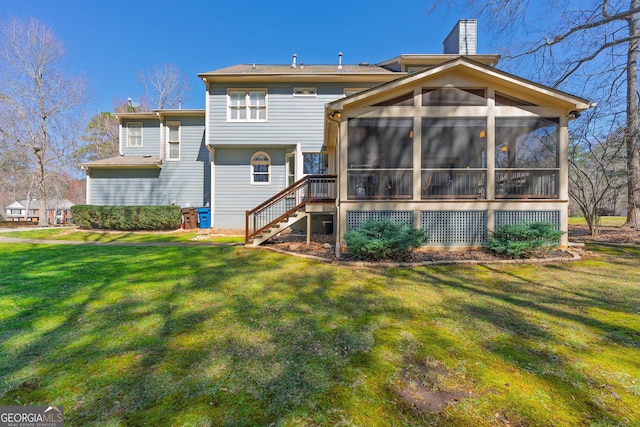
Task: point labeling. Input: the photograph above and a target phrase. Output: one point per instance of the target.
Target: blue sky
(111, 42)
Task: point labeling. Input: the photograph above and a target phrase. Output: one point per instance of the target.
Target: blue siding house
(446, 142)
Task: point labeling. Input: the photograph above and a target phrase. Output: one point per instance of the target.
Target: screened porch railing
(446, 183)
(527, 184)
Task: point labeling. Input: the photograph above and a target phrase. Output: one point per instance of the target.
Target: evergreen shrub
(384, 239)
(524, 240)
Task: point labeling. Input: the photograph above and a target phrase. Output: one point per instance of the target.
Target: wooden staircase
(288, 207)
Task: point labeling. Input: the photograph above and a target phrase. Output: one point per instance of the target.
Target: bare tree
(588, 47)
(165, 86)
(596, 175)
(39, 103)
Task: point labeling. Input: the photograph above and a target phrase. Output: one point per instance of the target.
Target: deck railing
(310, 189)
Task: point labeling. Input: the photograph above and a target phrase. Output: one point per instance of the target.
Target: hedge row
(127, 218)
(13, 224)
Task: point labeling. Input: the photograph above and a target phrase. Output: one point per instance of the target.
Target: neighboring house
(444, 142)
(58, 211)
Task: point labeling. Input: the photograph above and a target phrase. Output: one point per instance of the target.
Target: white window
(247, 105)
(173, 140)
(305, 91)
(260, 168)
(16, 212)
(134, 134)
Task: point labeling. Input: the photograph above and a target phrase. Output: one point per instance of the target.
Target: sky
(112, 42)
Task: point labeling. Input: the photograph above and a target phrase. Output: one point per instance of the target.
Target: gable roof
(572, 102)
(16, 205)
(35, 204)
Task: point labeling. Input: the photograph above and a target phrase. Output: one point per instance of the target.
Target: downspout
(335, 118)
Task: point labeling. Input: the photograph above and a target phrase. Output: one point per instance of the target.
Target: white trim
(120, 137)
(88, 188)
(167, 127)
(247, 105)
(129, 126)
(212, 201)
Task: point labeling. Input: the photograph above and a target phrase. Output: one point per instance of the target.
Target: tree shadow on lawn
(167, 336)
(548, 333)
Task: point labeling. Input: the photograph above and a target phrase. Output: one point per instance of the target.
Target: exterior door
(291, 168)
(291, 178)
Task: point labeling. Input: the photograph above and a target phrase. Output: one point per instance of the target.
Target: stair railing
(310, 189)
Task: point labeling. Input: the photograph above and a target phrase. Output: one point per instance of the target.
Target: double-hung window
(173, 140)
(134, 134)
(248, 105)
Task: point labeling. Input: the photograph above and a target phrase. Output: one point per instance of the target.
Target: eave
(435, 60)
(291, 77)
(160, 114)
(124, 162)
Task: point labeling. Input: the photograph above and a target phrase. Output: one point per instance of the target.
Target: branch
(581, 61)
(558, 39)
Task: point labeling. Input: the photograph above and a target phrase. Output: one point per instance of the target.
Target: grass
(114, 236)
(203, 336)
(608, 221)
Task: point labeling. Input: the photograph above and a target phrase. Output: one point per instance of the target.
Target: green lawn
(64, 233)
(605, 220)
(218, 336)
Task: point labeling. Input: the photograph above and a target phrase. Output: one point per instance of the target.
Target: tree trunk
(631, 134)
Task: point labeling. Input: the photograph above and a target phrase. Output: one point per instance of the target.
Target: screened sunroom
(458, 149)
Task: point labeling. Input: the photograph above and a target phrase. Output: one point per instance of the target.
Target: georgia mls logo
(31, 416)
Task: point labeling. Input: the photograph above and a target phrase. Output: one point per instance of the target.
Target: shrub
(524, 240)
(127, 218)
(384, 239)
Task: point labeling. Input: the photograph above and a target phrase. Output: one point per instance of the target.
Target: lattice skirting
(517, 217)
(455, 228)
(355, 219)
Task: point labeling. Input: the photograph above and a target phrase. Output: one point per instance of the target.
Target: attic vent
(364, 64)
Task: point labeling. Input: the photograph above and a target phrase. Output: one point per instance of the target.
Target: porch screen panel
(453, 157)
(526, 157)
(380, 158)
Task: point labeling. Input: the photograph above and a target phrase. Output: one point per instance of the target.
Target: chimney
(339, 60)
(293, 63)
(463, 39)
